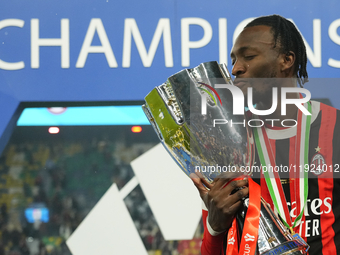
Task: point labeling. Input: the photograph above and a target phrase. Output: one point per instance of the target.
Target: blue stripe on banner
(85, 116)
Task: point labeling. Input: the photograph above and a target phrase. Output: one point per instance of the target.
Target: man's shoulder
(325, 121)
(319, 107)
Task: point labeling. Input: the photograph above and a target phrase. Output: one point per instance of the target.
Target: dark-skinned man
(272, 47)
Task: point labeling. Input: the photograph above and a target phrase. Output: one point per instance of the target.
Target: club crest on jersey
(317, 164)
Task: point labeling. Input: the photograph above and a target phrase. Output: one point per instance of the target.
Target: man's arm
(222, 200)
(212, 242)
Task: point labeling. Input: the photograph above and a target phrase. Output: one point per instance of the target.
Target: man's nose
(238, 69)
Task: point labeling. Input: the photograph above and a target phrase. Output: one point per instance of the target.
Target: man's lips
(240, 82)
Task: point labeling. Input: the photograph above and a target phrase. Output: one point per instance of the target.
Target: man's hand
(217, 197)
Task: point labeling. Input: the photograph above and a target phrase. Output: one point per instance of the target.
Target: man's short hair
(289, 39)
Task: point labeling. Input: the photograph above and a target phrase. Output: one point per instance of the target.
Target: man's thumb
(199, 185)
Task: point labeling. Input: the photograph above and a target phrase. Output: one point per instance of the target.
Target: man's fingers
(235, 207)
(206, 183)
(197, 175)
(230, 200)
(221, 183)
(203, 179)
(199, 185)
(215, 180)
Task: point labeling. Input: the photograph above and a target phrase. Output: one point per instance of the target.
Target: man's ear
(288, 61)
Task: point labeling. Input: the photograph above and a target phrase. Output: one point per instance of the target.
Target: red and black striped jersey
(320, 225)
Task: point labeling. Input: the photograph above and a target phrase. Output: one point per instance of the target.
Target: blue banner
(96, 51)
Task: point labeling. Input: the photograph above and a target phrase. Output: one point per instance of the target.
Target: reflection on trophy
(192, 114)
(199, 143)
(274, 238)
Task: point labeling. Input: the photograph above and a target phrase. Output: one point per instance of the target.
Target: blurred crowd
(68, 178)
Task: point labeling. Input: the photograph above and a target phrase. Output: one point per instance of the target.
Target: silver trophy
(192, 114)
(203, 144)
(273, 237)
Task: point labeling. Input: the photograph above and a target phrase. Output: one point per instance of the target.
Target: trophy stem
(273, 238)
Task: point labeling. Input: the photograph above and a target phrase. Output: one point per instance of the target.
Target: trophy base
(293, 247)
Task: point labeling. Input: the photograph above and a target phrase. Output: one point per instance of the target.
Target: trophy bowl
(204, 144)
(192, 114)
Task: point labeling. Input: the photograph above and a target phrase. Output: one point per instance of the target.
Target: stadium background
(112, 53)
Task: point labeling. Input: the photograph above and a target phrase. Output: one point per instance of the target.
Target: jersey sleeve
(212, 243)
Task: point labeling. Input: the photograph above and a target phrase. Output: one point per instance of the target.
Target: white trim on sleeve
(211, 231)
